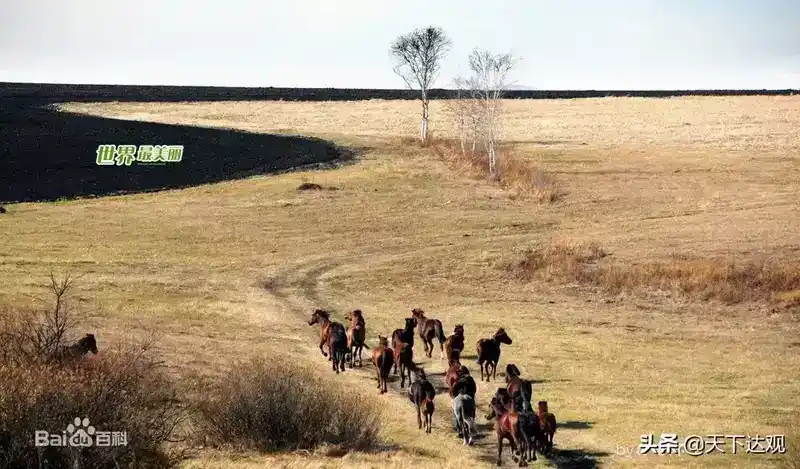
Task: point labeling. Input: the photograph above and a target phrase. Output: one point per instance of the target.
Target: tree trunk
(424, 126)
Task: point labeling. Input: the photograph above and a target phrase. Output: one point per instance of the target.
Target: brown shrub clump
(269, 405)
(119, 390)
(514, 172)
(726, 280)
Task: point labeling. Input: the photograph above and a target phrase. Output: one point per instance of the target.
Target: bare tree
(488, 83)
(418, 56)
(465, 111)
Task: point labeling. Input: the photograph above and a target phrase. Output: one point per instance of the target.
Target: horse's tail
(526, 389)
(440, 331)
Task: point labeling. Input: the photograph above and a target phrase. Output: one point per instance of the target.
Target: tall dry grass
(724, 279)
(270, 405)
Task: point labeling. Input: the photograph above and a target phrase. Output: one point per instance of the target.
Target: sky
(562, 44)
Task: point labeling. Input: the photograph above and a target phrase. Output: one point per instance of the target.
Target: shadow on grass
(47, 155)
(576, 459)
(576, 425)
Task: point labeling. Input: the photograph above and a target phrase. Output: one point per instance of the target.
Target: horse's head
(318, 316)
(355, 315)
(502, 337)
(88, 344)
(542, 407)
(512, 370)
(410, 324)
(464, 371)
(420, 372)
(383, 341)
(502, 395)
(418, 314)
(455, 357)
(498, 407)
(459, 330)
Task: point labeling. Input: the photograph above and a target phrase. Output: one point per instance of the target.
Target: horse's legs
(322, 342)
(481, 365)
(378, 372)
(499, 450)
(494, 371)
(419, 417)
(402, 376)
(441, 350)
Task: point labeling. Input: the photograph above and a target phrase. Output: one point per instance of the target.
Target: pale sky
(564, 44)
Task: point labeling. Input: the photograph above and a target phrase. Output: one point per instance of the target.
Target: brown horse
(489, 353)
(548, 423)
(506, 427)
(323, 318)
(74, 352)
(382, 359)
(403, 336)
(429, 329)
(404, 361)
(503, 397)
(452, 374)
(453, 357)
(455, 343)
(356, 336)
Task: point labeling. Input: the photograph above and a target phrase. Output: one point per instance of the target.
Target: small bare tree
(489, 83)
(418, 56)
(465, 111)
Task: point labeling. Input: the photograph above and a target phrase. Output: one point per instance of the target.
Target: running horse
(428, 330)
(356, 336)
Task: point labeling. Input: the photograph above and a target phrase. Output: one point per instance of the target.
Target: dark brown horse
(489, 353)
(356, 336)
(421, 393)
(453, 357)
(464, 381)
(428, 330)
(520, 389)
(507, 427)
(455, 343)
(503, 397)
(74, 352)
(404, 361)
(548, 424)
(382, 359)
(405, 335)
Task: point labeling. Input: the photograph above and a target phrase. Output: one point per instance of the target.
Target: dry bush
(119, 390)
(513, 171)
(719, 279)
(269, 405)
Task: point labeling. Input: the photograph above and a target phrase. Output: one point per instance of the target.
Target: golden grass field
(226, 271)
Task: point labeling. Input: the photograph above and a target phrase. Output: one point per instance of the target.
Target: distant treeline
(22, 92)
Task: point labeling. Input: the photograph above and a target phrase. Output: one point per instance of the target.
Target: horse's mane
(323, 313)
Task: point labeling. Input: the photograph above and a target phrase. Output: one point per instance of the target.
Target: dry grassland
(231, 270)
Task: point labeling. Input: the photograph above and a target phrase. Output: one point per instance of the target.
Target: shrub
(727, 280)
(119, 390)
(268, 405)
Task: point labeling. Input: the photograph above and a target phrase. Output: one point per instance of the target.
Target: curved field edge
(406, 231)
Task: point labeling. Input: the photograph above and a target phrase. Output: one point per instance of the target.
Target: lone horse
(489, 353)
(383, 359)
(429, 329)
(356, 336)
(421, 393)
(326, 327)
(74, 352)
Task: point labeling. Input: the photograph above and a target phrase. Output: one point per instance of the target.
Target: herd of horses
(527, 431)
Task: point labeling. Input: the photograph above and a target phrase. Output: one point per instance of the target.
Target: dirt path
(299, 289)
